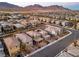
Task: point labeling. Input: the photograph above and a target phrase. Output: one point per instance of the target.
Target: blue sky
(74, 6)
(71, 5)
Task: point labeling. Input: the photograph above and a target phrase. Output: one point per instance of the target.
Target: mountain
(4, 6)
(52, 7)
(35, 6)
(7, 5)
(56, 7)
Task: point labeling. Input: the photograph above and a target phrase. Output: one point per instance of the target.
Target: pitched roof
(24, 37)
(11, 42)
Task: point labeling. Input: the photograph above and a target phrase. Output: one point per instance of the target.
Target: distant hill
(34, 7)
(4, 6)
(57, 7)
(52, 7)
(7, 5)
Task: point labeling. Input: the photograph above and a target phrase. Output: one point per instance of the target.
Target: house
(35, 17)
(7, 27)
(54, 30)
(0, 29)
(24, 38)
(40, 19)
(77, 26)
(48, 20)
(44, 19)
(52, 21)
(67, 23)
(18, 21)
(34, 22)
(12, 45)
(51, 30)
(37, 39)
(15, 15)
(24, 22)
(18, 26)
(58, 22)
(44, 34)
(47, 37)
(33, 34)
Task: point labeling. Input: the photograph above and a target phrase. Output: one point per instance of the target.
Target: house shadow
(71, 54)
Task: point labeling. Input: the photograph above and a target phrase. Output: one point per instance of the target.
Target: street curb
(49, 44)
(60, 52)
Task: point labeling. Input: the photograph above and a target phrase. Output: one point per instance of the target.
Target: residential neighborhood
(28, 33)
(38, 31)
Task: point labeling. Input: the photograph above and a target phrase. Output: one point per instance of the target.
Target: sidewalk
(64, 54)
(72, 51)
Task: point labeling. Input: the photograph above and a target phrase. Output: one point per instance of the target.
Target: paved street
(72, 51)
(55, 48)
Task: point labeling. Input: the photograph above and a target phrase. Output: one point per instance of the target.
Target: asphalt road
(57, 47)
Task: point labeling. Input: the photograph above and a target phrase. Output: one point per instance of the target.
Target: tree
(2, 29)
(66, 50)
(75, 43)
(24, 49)
(75, 23)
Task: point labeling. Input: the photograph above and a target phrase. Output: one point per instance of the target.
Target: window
(27, 42)
(16, 46)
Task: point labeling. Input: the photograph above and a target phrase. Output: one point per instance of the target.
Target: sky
(71, 4)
